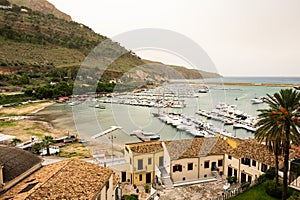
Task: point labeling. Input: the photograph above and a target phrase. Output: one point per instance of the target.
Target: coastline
(238, 84)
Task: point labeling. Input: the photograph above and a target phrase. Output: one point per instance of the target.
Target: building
(68, 179)
(144, 161)
(195, 159)
(15, 165)
(249, 160)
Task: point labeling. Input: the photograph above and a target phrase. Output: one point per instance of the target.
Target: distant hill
(38, 48)
(42, 6)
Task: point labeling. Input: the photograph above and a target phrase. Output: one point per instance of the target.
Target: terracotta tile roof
(297, 150)
(16, 161)
(69, 179)
(145, 147)
(254, 150)
(194, 147)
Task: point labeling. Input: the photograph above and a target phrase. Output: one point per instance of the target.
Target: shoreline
(238, 84)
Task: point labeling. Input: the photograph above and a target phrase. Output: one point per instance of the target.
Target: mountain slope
(37, 49)
(42, 6)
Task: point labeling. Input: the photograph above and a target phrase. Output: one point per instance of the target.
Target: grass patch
(74, 150)
(8, 115)
(34, 127)
(39, 135)
(8, 123)
(257, 192)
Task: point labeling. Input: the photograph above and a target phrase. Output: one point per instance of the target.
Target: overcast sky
(242, 37)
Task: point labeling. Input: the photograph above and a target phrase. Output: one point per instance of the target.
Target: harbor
(157, 119)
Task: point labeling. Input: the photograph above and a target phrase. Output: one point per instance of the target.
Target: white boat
(74, 103)
(256, 100)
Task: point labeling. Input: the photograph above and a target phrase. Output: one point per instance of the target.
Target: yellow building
(145, 159)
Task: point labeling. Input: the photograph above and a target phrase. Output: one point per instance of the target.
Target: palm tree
(37, 147)
(47, 141)
(270, 133)
(279, 126)
(15, 141)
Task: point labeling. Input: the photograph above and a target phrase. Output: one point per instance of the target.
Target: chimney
(1, 177)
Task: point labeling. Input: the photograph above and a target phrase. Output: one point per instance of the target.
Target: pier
(145, 136)
(113, 128)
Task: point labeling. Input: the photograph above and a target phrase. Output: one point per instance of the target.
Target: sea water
(88, 121)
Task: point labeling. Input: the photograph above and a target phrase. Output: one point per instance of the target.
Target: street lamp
(112, 137)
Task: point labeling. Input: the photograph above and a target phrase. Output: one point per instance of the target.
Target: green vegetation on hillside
(39, 52)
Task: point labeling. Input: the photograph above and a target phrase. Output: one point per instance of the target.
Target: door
(229, 171)
(243, 177)
(123, 176)
(249, 179)
(161, 161)
(148, 177)
(213, 166)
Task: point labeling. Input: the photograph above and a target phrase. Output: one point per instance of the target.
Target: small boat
(256, 100)
(203, 90)
(74, 103)
(99, 106)
(154, 137)
(297, 87)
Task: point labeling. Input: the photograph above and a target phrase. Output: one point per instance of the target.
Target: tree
(47, 141)
(37, 147)
(269, 133)
(15, 141)
(280, 125)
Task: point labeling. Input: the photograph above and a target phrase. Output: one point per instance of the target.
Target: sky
(241, 37)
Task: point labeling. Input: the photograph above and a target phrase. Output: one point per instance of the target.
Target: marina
(151, 119)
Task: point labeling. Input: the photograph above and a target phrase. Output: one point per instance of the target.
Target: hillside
(37, 49)
(42, 6)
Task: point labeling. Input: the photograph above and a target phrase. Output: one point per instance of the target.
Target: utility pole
(112, 137)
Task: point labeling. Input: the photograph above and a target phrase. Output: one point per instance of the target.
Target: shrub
(245, 185)
(262, 178)
(130, 197)
(270, 174)
(231, 179)
(276, 190)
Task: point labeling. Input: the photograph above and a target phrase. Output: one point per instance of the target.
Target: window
(246, 161)
(190, 166)
(253, 163)
(220, 163)
(235, 172)
(177, 168)
(141, 177)
(206, 164)
(149, 161)
(140, 164)
(229, 157)
(130, 161)
(264, 167)
(107, 185)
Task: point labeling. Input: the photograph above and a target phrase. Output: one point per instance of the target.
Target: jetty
(113, 128)
(143, 136)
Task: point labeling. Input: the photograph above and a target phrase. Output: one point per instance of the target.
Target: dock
(113, 128)
(143, 136)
